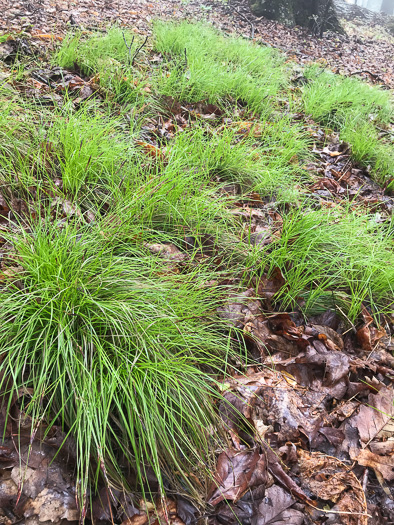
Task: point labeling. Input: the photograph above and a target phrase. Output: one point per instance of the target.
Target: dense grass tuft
(333, 259)
(203, 64)
(353, 108)
(116, 346)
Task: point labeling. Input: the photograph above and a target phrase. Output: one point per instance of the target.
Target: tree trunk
(318, 15)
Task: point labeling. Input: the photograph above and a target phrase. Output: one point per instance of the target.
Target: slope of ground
(196, 282)
(368, 47)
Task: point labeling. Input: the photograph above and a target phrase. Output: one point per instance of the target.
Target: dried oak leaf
(241, 309)
(269, 286)
(52, 505)
(8, 491)
(330, 480)
(276, 469)
(49, 37)
(376, 418)
(383, 448)
(240, 400)
(237, 472)
(329, 333)
(151, 150)
(319, 369)
(295, 411)
(368, 335)
(164, 512)
(205, 109)
(166, 251)
(382, 465)
(4, 208)
(170, 105)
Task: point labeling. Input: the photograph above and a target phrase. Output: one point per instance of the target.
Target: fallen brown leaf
(151, 150)
(382, 465)
(275, 509)
(236, 472)
(330, 480)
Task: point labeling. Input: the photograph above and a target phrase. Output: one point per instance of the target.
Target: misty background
(385, 6)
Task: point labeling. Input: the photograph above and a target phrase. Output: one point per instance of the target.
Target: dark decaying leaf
(230, 513)
(186, 510)
(237, 472)
(276, 509)
(275, 466)
(375, 418)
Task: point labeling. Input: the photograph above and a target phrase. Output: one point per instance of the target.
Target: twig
(373, 75)
(128, 46)
(341, 512)
(385, 131)
(98, 29)
(365, 480)
(248, 21)
(139, 49)
(41, 79)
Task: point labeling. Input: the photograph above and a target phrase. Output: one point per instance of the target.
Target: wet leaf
(167, 251)
(237, 472)
(375, 419)
(275, 509)
(382, 465)
(52, 505)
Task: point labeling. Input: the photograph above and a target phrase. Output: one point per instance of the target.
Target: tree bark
(318, 15)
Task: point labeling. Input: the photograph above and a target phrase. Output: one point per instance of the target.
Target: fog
(385, 6)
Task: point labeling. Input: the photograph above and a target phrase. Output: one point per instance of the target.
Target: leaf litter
(310, 427)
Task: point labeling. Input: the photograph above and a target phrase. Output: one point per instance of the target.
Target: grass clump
(269, 162)
(109, 60)
(90, 147)
(23, 152)
(84, 148)
(354, 108)
(172, 204)
(203, 64)
(368, 149)
(333, 259)
(90, 53)
(331, 99)
(116, 350)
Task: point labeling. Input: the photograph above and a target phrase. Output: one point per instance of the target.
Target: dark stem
(128, 46)
(139, 49)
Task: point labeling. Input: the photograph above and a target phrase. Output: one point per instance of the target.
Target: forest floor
(197, 267)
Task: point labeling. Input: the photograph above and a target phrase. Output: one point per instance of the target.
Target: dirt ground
(367, 49)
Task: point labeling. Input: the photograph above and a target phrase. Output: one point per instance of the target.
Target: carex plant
(116, 349)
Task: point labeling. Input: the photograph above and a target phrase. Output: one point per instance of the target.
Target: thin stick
(185, 59)
(128, 46)
(365, 480)
(374, 75)
(139, 49)
(246, 20)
